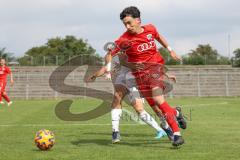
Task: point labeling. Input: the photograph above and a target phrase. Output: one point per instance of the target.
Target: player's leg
(147, 94)
(151, 86)
(169, 113)
(164, 123)
(165, 85)
(159, 113)
(1, 102)
(177, 111)
(1, 92)
(137, 103)
(147, 118)
(116, 112)
(5, 96)
(180, 118)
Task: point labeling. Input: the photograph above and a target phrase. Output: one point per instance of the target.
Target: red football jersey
(4, 71)
(140, 47)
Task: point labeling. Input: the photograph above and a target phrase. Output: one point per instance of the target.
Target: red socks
(170, 116)
(6, 97)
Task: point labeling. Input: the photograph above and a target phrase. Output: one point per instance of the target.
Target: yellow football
(44, 139)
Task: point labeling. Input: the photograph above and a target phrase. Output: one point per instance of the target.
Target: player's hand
(172, 77)
(136, 66)
(175, 56)
(90, 79)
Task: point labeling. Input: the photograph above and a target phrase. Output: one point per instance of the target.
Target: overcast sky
(184, 23)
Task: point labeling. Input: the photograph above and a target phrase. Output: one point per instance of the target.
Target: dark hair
(130, 11)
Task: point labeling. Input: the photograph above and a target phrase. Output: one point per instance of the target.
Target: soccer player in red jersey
(4, 71)
(148, 62)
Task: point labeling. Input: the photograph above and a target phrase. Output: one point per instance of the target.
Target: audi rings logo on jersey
(155, 76)
(146, 46)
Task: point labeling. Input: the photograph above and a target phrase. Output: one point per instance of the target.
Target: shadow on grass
(38, 150)
(83, 142)
(130, 142)
(122, 134)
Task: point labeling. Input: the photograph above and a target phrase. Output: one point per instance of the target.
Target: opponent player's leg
(169, 113)
(147, 118)
(137, 103)
(116, 112)
(163, 122)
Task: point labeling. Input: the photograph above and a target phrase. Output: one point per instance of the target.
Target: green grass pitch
(213, 132)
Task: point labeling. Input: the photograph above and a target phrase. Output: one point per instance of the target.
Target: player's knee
(116, 105)
(139, 109)
(116, 101)
(159, 99)
(138, 105)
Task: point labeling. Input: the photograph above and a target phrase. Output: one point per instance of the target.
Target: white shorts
(126, 79)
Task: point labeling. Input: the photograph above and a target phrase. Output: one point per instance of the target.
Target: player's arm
(164, 43)
(98, 73)
(108, 60)
(103, 70)
(11, 78)
(133, 66)
(171, 76)
(11, 75)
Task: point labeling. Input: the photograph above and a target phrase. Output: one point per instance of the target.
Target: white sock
(148, 119)
(177, 113)
(116, 115)
(177, 133)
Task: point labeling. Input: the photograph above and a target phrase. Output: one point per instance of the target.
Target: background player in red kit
(143, 52)
(4, 71)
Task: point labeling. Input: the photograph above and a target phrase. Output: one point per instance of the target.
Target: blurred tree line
(6, 55)
(236, 58)
(202, 55)
(60, 50)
